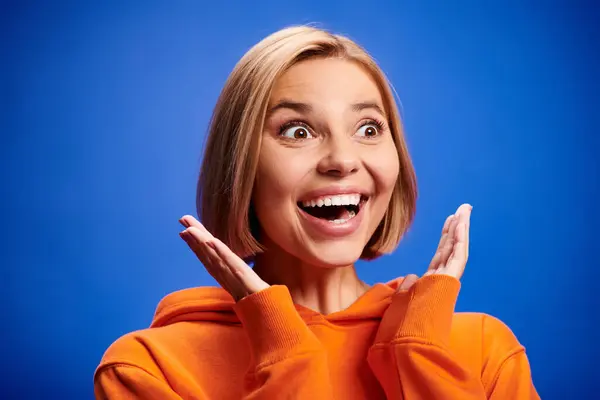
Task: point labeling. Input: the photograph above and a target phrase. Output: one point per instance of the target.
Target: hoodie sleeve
(288, 361)
(411, 356)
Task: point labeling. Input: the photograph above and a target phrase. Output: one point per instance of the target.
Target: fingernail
(184, 222)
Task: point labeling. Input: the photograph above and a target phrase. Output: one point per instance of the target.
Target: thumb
(407, 282)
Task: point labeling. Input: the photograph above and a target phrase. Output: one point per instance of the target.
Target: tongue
(345, 214)
(329, 212)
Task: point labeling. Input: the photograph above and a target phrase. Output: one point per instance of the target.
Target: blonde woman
(306, 170)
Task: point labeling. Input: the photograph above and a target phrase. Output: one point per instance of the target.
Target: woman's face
(327, 164)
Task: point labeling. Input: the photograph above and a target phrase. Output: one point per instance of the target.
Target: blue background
(104, 110)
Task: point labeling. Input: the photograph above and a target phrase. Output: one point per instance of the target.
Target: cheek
(277, 180)
(385, 167)
(269, 193)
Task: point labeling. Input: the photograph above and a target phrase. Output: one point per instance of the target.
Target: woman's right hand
(229, 270)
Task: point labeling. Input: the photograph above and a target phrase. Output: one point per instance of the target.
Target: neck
(322, 289)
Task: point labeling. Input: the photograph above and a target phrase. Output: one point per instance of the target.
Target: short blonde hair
(225, 185)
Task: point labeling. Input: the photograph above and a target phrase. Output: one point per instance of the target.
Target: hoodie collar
(215, 304)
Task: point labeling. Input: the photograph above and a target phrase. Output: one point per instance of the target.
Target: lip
(328, 229)
(332, 191)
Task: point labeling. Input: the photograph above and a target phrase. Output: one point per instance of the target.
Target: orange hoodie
(387, 345)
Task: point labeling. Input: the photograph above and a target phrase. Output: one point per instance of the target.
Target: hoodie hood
(195, 304)
(214, 304)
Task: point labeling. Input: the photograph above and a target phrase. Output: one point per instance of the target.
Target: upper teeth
(338, 200)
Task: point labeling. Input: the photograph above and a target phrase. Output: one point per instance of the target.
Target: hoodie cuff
(424, 312)
(273, 325)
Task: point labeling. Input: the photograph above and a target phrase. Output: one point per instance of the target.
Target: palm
(453, 249)
(229, 270)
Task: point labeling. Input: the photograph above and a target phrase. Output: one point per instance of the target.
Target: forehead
(323, 79)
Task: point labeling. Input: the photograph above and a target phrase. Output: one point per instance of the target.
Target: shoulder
(482, 340)
(133, 349)
(127, 365)
(492, 334)
(152, 348)
(177, 357)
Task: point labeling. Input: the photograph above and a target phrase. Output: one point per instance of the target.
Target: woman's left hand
(453, 249)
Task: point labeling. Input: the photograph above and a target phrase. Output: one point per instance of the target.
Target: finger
(407, 282)
(465, 217)
(238, 267)
(209, 259)
(435, 261)
(189, 221)
(199, 248)
(200, 234)
(230, 271)
(446, 226)
(467, 231)
(186, 220)
(446, 245)
(226, 279)
(458, 259)
(203, 238)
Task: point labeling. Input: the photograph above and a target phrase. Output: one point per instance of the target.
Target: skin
(336, 143)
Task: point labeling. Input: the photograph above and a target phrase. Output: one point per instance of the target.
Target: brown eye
(296, 132)
(300, 133)
(368, 130)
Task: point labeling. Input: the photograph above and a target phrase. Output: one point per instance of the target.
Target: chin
(334, 254)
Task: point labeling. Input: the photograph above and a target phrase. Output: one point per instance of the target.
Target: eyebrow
(292, 105)
(307, 108)
(366, 106)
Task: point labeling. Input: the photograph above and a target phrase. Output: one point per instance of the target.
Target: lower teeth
(351, 215)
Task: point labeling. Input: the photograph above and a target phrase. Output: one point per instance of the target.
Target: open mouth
(336, 209)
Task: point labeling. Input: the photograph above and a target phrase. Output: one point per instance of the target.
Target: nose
(341, 158)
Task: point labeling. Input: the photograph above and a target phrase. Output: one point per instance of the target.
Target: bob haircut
(225, 184)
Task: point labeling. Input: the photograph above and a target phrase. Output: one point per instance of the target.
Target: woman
(306, 170)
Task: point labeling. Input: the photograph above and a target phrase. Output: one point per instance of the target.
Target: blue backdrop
(103, 116)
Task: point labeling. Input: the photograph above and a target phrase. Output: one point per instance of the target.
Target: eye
(369, 129)
(296, 132)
